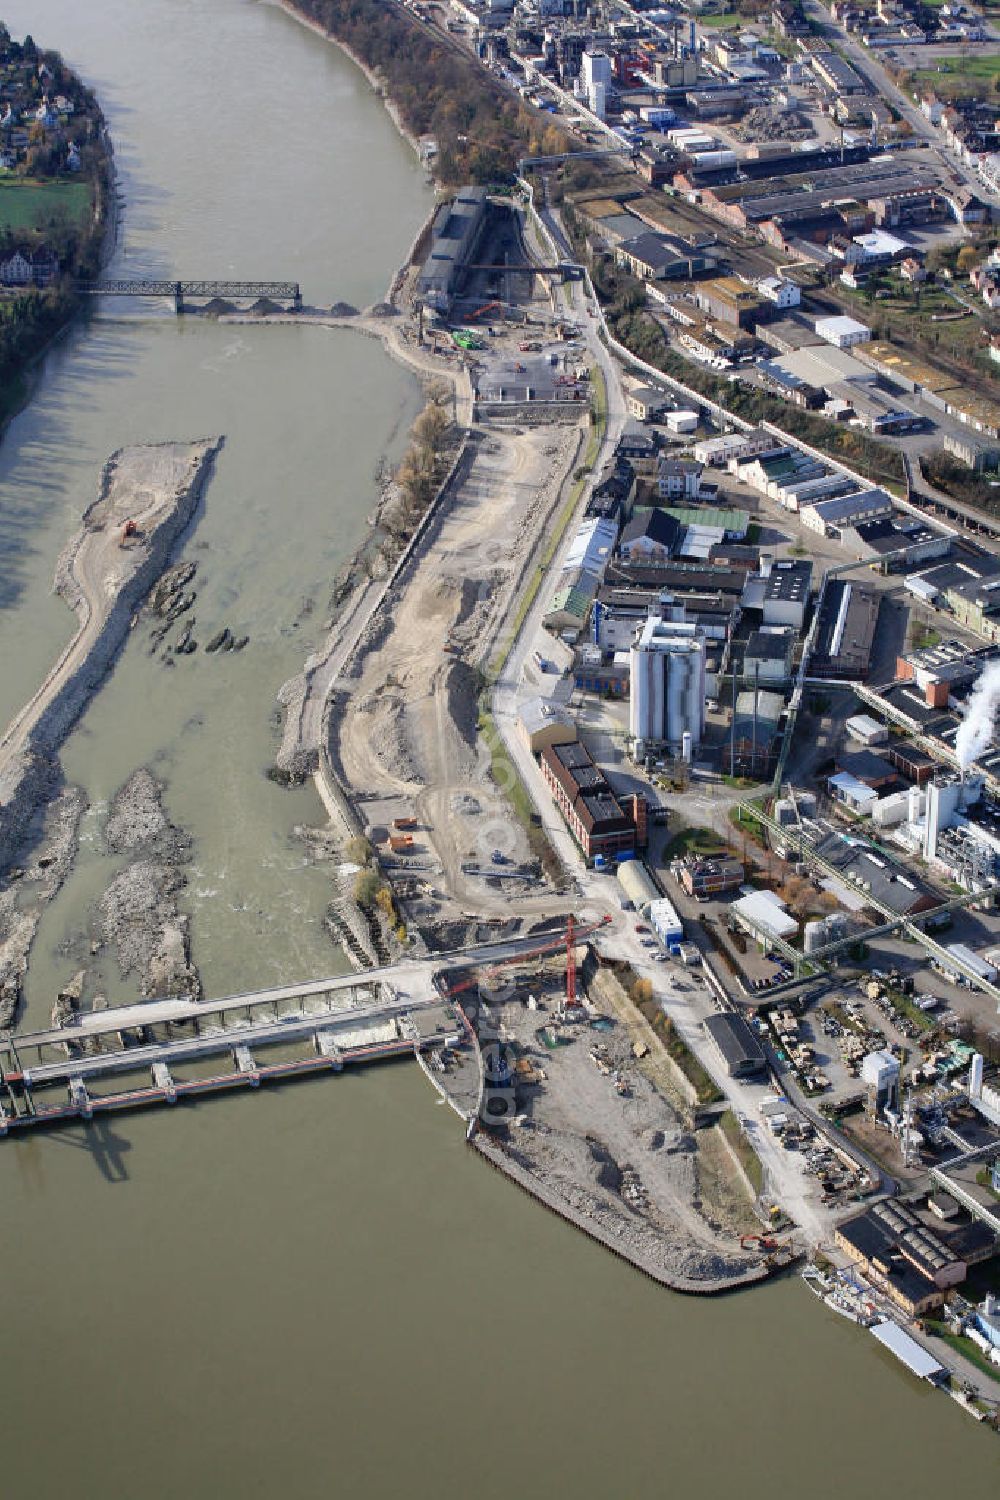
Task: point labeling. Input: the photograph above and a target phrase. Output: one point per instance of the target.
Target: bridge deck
(228, 1039)
(136, 286)
(417, 972)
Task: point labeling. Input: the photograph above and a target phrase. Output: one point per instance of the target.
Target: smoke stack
(976, 1076)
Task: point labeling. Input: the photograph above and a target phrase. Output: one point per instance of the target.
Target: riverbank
(39, 316)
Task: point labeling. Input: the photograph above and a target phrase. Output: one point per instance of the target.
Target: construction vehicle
(130, 529)
(486, 307)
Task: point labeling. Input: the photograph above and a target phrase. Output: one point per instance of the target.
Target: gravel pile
(137, 821)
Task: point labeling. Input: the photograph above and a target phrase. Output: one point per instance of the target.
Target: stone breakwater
(104, 576)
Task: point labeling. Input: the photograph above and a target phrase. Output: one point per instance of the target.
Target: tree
(383, 900)
(642, 991)
(968, 257)
(367, 884)
(430, 427)
(358, 851)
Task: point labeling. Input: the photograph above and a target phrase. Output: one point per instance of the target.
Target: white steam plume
(975, 733)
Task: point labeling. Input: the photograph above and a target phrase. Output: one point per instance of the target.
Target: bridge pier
(178, 298)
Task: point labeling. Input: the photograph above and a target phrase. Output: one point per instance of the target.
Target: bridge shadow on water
(98, 1139)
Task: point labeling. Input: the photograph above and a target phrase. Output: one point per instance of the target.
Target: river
(318, 1289)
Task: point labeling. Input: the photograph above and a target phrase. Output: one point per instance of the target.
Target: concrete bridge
(359, 1017)
(275, 291)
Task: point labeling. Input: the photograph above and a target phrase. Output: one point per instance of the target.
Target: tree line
(480, 128)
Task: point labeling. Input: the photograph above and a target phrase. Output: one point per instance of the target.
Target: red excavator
(130, 529)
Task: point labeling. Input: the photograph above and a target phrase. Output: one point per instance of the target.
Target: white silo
(814, 935)
(686, 746)
(976, 1076)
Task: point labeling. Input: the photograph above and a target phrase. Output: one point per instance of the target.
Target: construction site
(578, 1104)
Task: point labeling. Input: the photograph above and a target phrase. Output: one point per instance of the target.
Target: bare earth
(409, 726)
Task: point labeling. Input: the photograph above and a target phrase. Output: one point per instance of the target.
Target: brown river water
(317, 1290)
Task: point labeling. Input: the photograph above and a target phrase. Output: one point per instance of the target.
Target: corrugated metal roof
(913, 1355)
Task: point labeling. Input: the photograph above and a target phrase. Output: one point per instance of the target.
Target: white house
(782, 293)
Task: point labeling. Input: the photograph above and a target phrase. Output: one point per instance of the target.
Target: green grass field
(977, 65)
(29, 204)
(728, 18)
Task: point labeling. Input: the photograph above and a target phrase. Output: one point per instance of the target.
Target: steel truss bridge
(275, 291)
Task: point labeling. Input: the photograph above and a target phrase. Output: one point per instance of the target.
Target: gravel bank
(138, 913)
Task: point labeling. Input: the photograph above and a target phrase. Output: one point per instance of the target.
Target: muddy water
(228, 169)
(317, 1290)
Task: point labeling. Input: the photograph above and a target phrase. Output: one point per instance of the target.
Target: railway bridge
(275, 291)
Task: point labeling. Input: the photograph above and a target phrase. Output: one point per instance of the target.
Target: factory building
(780, 591)
(596, 818)
(454, 234)
(667, 683)
(845, 631)
(740, 1047)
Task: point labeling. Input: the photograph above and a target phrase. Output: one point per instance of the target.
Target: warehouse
(741, 1050)
(843, 332)
(829, 517)
(638, 885)
(845, 632)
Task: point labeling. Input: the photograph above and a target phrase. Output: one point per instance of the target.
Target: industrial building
(764, 915)
(710, 877)
(740, 1047)
(755, 736)
(845, 630)
(913, 1263)
(543, 723)
(667, 672)
(730, 300)
(454, 234)
(596, 818)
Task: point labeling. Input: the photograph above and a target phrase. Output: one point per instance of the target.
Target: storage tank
(814, 935)
(686, 746)
(913, 805)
